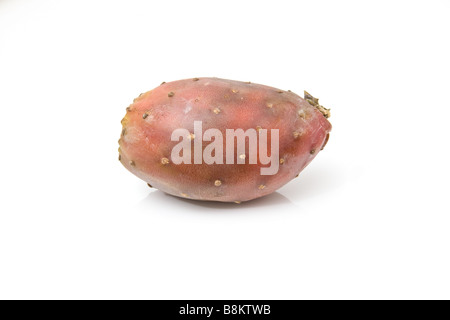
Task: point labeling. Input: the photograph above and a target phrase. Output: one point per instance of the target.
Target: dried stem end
(315, 102)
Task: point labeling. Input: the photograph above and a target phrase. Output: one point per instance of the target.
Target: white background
(368, 218)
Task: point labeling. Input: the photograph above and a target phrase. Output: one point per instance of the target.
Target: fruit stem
(315, 102)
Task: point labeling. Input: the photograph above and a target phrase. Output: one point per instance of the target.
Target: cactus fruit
(182, 138)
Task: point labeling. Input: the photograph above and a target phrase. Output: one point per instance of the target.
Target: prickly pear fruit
(179, 138)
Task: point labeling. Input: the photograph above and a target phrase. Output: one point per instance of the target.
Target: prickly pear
(221, 140)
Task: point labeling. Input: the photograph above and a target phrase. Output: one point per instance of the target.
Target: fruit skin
(146, 146)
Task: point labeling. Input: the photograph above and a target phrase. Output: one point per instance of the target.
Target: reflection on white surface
(272, 200)
(320, 178)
